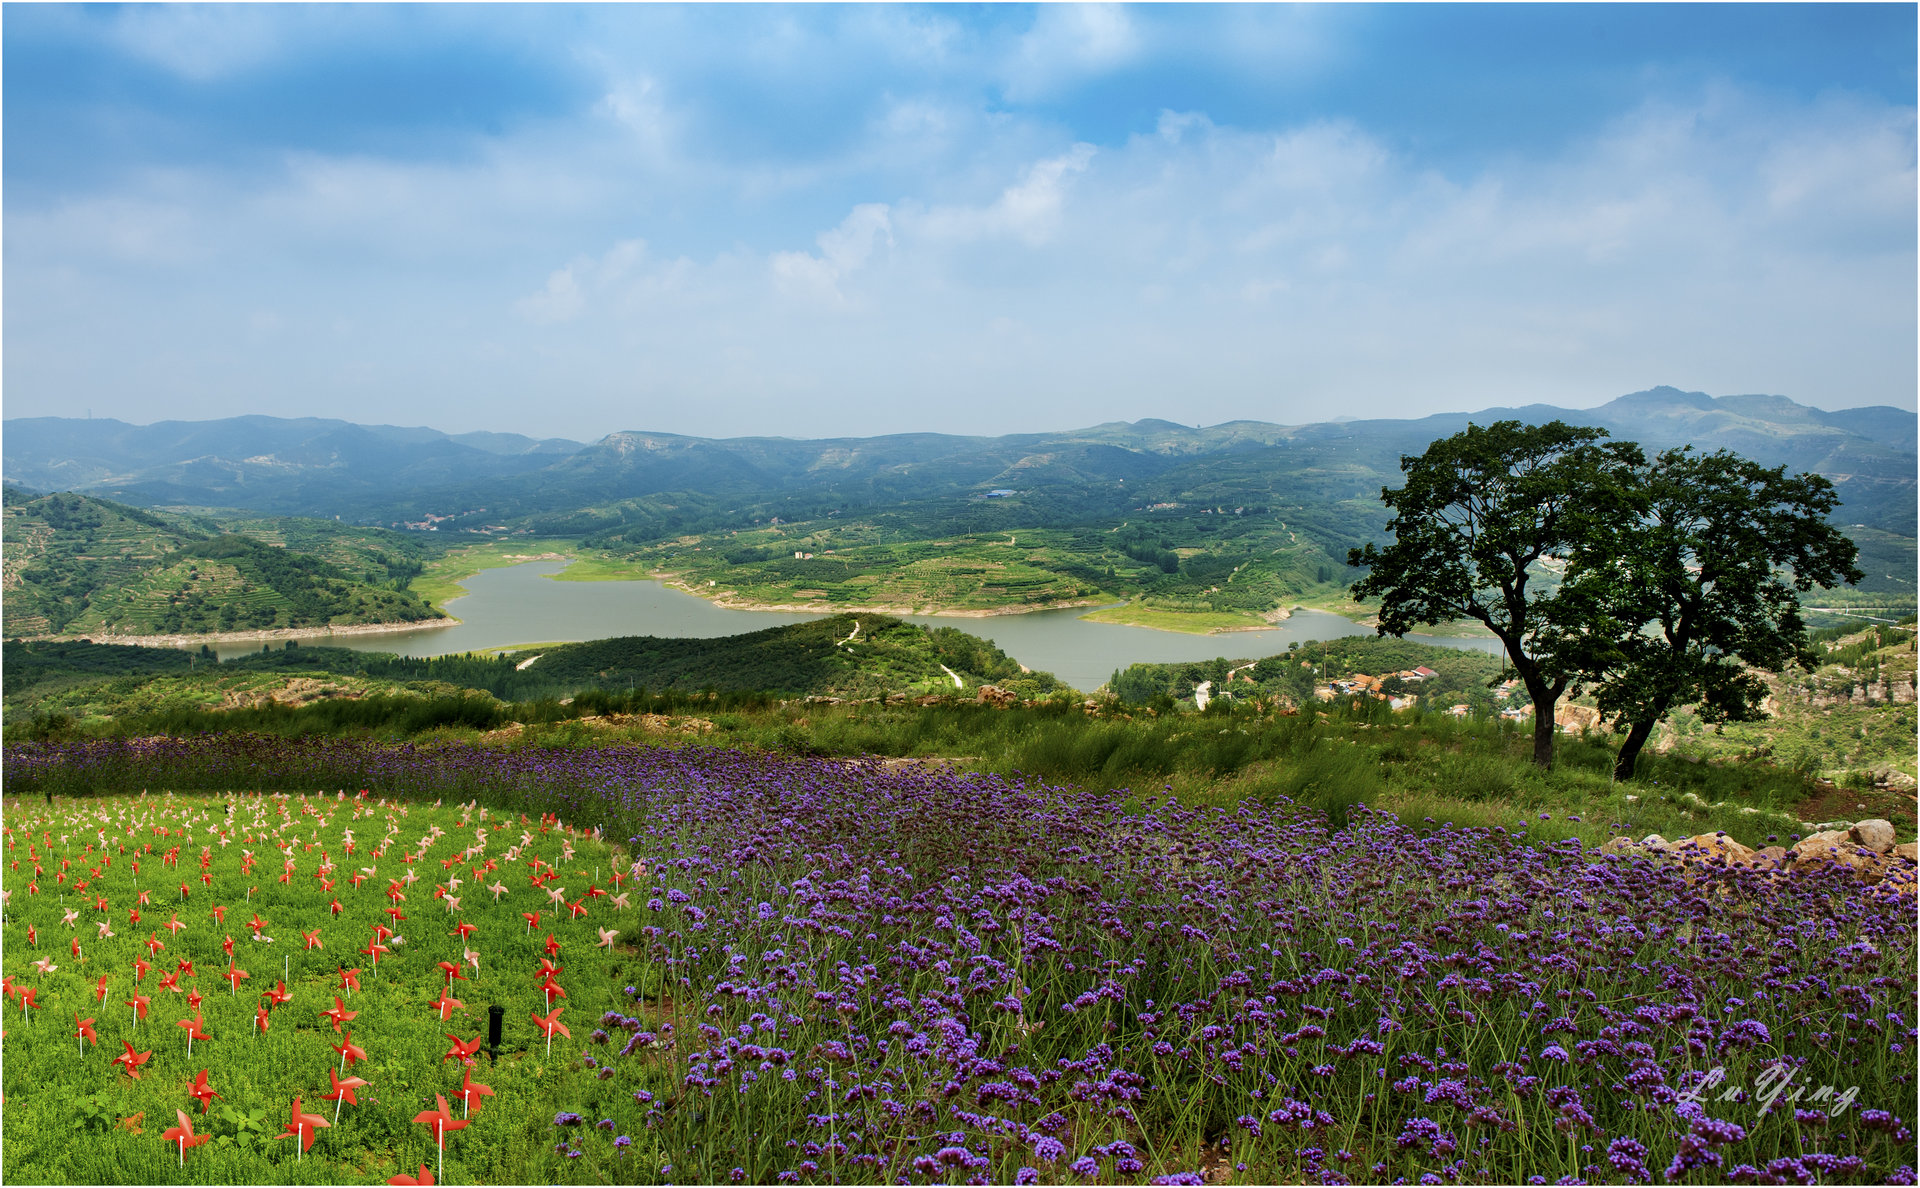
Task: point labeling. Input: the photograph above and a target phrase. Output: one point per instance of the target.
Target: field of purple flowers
(864, 975)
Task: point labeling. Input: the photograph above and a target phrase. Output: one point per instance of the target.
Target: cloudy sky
(866, 219)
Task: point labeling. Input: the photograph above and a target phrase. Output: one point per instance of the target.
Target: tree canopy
(1683, 600)
(1484, 517)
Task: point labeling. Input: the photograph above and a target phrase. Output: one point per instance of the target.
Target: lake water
(522, 604)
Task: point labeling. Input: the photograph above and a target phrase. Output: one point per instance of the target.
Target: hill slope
(79, 565)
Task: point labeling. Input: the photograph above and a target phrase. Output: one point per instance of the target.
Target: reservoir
(521, 604)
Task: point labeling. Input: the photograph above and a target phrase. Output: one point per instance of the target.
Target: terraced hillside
(76, 565)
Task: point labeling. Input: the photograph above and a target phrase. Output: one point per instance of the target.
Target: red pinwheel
(462, 1050)
(350, 1052)
(174, 924)
(193, 999)
(447, 1004)
(139, 1003)
(170, 981)
(226, 946)
(577, 907)
(532, 919)
(397, 914)
(452, 971)
(311, 939)
(219, 915)
(550, 1024)
(194, 1031)
(463, 930)
(342, 1092)
(549, 968)
(257, 924)
(100, 991)
(83, 1031)
(132, 1060)
(334, 907)
(425, 1177)
(185, 966)
(260, 1018)
(154, 944)
(350, 980)
(552, 946)
(469, 1091)
(183, 1135)
(278, 996)
(303, 1128)
(339, 1014)
(202, 1092)
(234, 976)
(552, 990)
(373, 950)
(140, 969)
(441, 1121)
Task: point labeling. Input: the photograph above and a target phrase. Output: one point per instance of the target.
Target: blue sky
(865, 219)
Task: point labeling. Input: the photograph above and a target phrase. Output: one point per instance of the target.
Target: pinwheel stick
(182, 1142)
(338, 1101)
(440, 1141)
(300, 1141)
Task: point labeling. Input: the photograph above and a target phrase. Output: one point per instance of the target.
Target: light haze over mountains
(323, 467)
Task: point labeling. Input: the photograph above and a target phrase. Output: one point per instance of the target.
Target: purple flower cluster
(914, 976)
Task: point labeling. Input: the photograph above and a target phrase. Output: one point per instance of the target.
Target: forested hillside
(76, 565)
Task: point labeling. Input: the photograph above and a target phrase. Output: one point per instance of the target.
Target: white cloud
(1029, 210)
(1068, 43)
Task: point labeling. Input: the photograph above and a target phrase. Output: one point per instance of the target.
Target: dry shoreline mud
(263, 636)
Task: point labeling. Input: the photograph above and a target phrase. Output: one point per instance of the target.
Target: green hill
(77, 565)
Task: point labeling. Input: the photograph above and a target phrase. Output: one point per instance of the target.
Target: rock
(1875, 835)
(1654, 841)
(1771, 858)
(1619, 845)
(1717, 849)
(1819, 843)
(1837, 848)
(1908, 850)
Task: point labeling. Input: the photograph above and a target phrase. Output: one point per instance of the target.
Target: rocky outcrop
(1875, 835)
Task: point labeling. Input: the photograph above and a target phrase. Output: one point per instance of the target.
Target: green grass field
(74, 1116)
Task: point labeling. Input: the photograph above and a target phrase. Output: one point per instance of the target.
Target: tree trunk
(1543, 734)
(1637, 736)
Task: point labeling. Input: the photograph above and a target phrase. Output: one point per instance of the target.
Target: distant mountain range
(388, 475)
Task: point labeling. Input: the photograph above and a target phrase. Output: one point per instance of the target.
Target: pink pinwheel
(606, 937)
(303, 1127)
(183, 1135)
(202, 1092)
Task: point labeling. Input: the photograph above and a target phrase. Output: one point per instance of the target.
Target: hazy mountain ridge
(314, 466)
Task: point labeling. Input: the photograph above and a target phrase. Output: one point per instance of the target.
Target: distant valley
(1194, 529)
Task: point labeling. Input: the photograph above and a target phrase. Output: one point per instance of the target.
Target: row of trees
(1654, 583)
